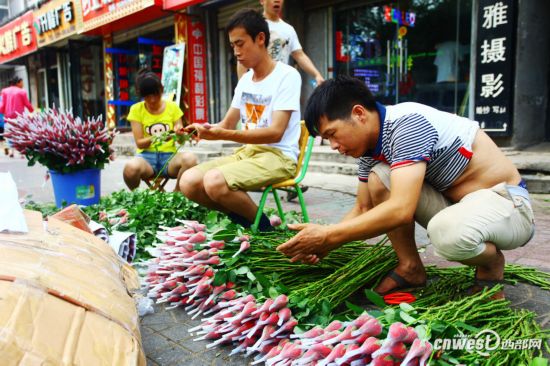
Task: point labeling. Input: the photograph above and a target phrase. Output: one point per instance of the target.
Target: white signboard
(172, 71)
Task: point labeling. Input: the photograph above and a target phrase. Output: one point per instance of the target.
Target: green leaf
(406, 307)
(467, 327)
(453, 360)
(376, 313)
(219, 278)
(223, 234)
(354, 308)
(303, 303)
(438, 326)
(422, 332)
(406, 317)
(389, 314)
(242, 270)
(251, 277)
(539, 361)
(231, 261)
(273, 293)
(232, 276)
(325, 307)
(262, 279)
(375, 298)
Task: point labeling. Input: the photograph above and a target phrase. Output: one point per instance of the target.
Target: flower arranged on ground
(60, 141)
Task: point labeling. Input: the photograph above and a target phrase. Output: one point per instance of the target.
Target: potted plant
(73, 150)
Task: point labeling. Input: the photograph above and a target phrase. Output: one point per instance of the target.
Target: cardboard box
(65, 299)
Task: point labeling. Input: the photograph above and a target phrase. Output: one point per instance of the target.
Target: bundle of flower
(184, 274)
(203, 276)
(60, 141)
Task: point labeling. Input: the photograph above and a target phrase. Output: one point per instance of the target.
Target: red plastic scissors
(396, 298)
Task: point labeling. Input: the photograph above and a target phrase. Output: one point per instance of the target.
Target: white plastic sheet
(11, 213)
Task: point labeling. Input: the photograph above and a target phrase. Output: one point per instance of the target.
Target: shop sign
(406, 18)
(17, 38)
(197, 71)
(55, 20)
(494, 68)
(96, 13)
(178, 4)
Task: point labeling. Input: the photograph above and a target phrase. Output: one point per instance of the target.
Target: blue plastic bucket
(82, 188)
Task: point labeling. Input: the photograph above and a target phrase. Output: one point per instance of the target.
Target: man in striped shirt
(417, 163)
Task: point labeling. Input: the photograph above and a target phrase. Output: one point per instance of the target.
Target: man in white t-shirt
(267, 103)
(284, 42)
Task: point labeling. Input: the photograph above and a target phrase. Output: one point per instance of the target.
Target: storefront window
(417, 50)
(128, 58)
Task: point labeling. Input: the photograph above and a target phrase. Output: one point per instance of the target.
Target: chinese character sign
(494, 71)
(55, 20)
(198, 101)
(17, 38)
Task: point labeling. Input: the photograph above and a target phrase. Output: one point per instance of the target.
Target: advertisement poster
(172, 71)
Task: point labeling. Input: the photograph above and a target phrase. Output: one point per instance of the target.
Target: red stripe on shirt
(465, 152)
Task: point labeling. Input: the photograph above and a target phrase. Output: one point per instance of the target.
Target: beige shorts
(501, 215)
(252, 167)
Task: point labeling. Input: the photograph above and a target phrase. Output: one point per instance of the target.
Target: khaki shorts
(501, 215)
(252, 167)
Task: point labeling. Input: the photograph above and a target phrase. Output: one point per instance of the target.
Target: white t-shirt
(279, 91)
(283, 40)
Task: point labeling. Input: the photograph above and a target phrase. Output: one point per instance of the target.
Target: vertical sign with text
(197, 84)
(494, 65)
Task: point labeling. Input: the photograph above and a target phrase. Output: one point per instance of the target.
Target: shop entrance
(49, 92)
(416, 50)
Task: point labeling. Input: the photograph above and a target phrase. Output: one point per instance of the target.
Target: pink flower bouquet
(61, 142)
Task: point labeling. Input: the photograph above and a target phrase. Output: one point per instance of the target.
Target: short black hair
(334, 99)
(252, 21)
(148, 83)
(14, 80)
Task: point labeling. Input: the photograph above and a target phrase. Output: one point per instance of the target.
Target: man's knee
(452, 240)
(214, 184)
(185, 160)
(190, 181)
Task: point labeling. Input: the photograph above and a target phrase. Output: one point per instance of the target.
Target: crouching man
(417, 163)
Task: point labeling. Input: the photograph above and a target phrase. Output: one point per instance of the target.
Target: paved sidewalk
(165, 337)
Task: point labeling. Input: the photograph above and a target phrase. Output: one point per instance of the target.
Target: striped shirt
(412, 132)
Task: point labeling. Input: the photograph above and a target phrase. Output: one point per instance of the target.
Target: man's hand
(204, 131)
(310, 245)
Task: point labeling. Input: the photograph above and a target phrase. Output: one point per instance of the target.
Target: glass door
(416, 50)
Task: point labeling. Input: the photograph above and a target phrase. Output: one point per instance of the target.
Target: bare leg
(179, 164)
(135, 171)
(410, 265)
(231, 201)
(191, 184)
(490, 263)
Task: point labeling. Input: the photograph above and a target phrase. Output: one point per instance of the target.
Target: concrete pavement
(164, 333)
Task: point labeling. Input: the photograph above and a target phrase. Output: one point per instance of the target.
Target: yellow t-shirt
(156, 124)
